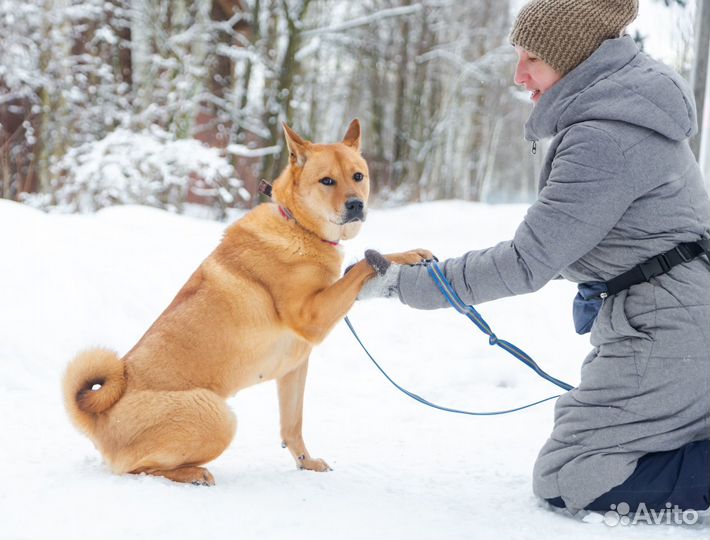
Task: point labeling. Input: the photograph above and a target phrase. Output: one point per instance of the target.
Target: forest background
(172, 103)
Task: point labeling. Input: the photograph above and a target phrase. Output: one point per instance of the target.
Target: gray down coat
(619, 185)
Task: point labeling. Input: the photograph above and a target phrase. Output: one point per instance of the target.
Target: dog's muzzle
(354, 210)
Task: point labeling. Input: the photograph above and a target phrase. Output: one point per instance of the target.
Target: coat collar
(610, 57)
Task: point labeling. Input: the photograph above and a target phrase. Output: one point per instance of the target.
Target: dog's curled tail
(94, 380)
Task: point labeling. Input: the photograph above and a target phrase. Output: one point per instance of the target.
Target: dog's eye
(327, 181)
(358, 176)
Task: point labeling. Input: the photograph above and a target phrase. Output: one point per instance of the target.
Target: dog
(251, 312)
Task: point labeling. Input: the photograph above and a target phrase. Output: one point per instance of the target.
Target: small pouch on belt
(587, 304)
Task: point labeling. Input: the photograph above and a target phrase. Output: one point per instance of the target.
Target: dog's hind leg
(291, 387)
(168, 434)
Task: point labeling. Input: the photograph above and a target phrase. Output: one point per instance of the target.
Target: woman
(619, 191)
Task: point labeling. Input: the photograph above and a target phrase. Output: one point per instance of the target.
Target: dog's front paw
(313, 464)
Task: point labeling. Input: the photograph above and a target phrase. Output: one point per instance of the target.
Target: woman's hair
(564, 33)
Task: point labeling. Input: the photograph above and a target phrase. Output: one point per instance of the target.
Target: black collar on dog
(264, 188)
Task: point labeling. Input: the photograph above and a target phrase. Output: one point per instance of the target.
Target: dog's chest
(276, 354)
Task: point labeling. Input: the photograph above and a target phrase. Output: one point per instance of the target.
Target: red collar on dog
(285, 213)
(288, 215)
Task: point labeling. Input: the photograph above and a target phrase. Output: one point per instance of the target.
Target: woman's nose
(521, 74)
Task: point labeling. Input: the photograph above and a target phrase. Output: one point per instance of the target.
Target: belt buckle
(683, 257)
(664, 262)
(655, 267)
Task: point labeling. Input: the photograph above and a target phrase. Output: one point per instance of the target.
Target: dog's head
(325, 186)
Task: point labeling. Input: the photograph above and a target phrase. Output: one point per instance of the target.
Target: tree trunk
(700, 67)
(283, 88)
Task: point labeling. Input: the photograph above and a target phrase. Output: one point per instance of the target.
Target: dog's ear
(297, 146)
(352, 136)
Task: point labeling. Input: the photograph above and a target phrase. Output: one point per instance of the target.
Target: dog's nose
(354, 210)
(354, 205)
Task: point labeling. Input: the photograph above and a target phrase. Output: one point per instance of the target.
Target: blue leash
(458, 304)
(448, 291)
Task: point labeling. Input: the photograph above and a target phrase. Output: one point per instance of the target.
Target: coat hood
(617, 83)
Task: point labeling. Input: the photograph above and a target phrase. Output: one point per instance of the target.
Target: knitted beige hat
(564, 33)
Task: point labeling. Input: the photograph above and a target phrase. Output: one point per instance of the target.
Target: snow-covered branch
(243, 151)
(476, 68)
(365, 20)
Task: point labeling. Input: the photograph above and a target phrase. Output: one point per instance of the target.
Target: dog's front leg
(291, 388)
(313, 317)
(322, 311)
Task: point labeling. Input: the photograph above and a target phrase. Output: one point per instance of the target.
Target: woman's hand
(386, 280)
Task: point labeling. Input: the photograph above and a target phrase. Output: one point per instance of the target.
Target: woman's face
(534, 74)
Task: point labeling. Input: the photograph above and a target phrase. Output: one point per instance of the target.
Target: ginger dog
(251, 312)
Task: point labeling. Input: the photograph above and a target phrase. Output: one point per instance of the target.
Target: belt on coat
(655, 266)
(588, 301)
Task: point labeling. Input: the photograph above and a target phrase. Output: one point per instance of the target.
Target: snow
(401, 470)
(130, 167)
(242, 150)
(365, 19)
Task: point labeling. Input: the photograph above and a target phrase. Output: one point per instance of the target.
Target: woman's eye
(358, 176)
(327, 181)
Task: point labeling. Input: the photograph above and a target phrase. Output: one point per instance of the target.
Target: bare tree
(700, 66)
(429, 79)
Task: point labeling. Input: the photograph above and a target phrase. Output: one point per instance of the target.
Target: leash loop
(423, 401)
(454, 299)
(447, 290)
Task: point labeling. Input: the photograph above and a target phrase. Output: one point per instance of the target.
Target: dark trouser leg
(557, 501)
(679, 477)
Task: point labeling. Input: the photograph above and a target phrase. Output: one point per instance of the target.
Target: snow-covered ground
(401, 470)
